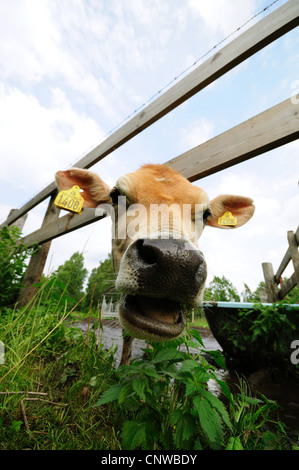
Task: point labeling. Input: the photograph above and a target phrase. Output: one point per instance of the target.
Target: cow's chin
(151, 318)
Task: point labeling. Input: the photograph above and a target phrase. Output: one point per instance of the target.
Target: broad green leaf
(218, 358)
(210, 422)
(196, 335)
(191, 387)
(189, 365)
(110, 395)
(133, 435)
(168, 354)
(225, 389)
(125, 392)
(139, 386)
(185, 428)
(201, 376)
(219, 406)
(234, 443)
(150, 370)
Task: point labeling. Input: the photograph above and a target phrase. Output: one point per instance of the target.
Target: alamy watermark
(2, 352)
(156, 221)
(295, 354)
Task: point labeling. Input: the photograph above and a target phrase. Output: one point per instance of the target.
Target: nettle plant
(167, 396)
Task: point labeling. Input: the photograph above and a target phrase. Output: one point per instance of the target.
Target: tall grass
(46, 385)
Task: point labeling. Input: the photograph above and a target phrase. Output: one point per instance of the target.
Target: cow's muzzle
(159, 279)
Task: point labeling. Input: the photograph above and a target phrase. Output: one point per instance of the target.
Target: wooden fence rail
(273, 280)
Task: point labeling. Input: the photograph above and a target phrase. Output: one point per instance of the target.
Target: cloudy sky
(72, 70)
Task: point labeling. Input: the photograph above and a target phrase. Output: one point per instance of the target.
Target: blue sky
(72, 71)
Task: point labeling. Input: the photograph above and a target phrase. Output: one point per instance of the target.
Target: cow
(160, 269)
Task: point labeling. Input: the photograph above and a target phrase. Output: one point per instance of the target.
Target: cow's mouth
(151, 318)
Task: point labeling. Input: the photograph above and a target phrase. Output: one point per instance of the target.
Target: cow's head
(158, 216)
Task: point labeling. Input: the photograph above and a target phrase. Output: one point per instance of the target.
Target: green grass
(200, 322)
(47, 382)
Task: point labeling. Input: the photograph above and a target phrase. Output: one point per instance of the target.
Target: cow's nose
(168, 268)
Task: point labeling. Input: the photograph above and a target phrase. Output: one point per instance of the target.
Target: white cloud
(223, 17)
(37, 141)
(196, 133)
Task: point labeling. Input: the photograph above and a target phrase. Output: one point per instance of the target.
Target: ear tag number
(70, 200)
(227, 219)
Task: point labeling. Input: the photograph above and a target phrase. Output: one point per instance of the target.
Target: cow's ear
(241, 210)
(95, 191)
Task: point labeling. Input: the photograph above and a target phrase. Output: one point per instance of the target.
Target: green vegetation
(13, 255)
(60, 390)
(269, 329)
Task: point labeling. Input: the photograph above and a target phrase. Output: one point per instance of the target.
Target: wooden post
(294, 253)
(38, 260)
(19, 222)
(271, 287)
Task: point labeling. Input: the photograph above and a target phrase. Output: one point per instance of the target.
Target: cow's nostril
(147, 252)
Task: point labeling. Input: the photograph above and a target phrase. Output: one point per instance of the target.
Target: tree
(13, 256)
(72, 274)
(101, 280)
(221, 290)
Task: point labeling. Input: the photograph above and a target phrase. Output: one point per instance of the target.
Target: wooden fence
(268, 130)
(273, 280)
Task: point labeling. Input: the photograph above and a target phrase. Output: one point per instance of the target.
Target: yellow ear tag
(227, 219)
(70, 200)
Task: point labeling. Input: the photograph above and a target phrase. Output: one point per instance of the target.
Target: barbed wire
(185, 71)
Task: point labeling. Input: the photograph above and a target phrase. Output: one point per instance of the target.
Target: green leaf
(139, 386)
(225, 389)
(196, 335)
(201, 376)
(133, 435)
(219, 407)
(218, 358)
(126, 391)
(110, 395)
(168, 354)
(234, 443)
(191, 387)
(185, 428)
(189, 365)
(150, 370)
(210, 422)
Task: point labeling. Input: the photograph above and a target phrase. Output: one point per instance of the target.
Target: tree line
(73, 279)
(101, 281)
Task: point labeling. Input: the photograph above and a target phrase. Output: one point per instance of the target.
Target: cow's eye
(207, 213)
(114, 193)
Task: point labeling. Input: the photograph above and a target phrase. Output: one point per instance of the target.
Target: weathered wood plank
(268, 130)
(294, 253)
(38, 260)
(271, 287)
(287, 286)
(19, 222)
(63, 225)
(273, 26)
(286, 259)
